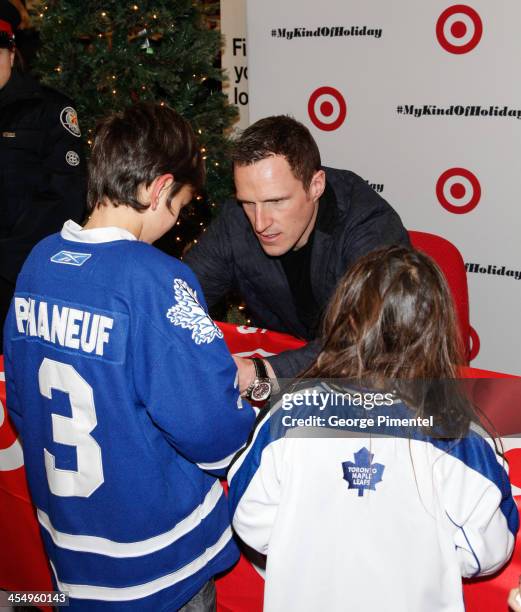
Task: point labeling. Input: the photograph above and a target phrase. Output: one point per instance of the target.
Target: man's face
(281, 212)
(6, 65)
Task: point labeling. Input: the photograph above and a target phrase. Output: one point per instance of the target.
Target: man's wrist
(260, 387)
(275, 387)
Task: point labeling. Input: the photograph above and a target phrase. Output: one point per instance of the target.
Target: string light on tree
(131, 52)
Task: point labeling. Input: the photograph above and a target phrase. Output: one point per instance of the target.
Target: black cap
(9, 20)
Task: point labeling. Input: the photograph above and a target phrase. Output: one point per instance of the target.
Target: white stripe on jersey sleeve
(85, 591)
(110, 548)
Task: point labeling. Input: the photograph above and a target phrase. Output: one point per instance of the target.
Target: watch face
(261, 391)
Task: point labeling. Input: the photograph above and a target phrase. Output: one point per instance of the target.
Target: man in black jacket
(292, 233)
(42, 178)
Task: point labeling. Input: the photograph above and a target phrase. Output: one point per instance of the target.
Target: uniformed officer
(42, 177)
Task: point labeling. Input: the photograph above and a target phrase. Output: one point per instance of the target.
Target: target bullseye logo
(327, 108)
(475, 344)
(458, 190)
(459, 29)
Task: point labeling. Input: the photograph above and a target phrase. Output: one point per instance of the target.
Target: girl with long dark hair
(385, 500)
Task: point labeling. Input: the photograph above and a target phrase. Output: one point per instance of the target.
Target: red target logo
(459, 29)
(458, 190)
(327, 108)
(475, 344)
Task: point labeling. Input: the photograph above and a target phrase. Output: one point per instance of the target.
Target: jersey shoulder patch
(189, 314)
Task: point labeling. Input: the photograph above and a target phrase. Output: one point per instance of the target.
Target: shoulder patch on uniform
(189, 314)
(70, 258)
(69, 120)
(72, 158)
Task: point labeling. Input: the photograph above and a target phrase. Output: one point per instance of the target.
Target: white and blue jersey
(354, 520)
(125, 397)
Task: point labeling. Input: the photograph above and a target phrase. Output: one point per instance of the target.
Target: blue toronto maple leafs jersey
(125, 397)
(351, 519)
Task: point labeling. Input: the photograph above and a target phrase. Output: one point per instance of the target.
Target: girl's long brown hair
(391, 323)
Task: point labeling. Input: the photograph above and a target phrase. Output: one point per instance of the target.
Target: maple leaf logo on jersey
(189, 314)
(363, 473)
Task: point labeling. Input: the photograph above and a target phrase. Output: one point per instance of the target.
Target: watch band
(261, 376)
(260, 368)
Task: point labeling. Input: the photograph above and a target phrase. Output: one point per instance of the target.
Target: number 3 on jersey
(73, 431)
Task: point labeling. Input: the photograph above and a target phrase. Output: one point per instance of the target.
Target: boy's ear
(157, 187)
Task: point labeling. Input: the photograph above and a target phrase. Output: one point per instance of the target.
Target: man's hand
(24, 15)
(246, 372)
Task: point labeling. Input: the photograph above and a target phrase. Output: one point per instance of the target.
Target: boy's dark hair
(135, 146)
(279, 135)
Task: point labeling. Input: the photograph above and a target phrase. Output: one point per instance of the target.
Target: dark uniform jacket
(42, 177)
(352, 220)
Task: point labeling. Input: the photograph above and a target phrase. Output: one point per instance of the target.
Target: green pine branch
(106, 55)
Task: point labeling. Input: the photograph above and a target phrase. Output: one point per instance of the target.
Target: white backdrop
(405, 70)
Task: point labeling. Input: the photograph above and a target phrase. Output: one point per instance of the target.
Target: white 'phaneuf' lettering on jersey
(189, 314)
(69, 327)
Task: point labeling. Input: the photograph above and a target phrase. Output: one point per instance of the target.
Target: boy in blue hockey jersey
(121, 386)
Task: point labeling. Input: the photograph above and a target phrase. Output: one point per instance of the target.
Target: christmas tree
(108, 54)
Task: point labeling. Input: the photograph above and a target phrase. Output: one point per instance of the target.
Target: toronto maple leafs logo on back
(363, 473)
(189, 314)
